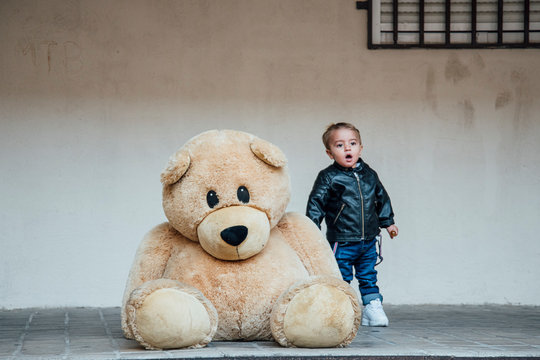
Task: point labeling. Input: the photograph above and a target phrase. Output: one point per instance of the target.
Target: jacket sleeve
(384, 206)
(318, 198)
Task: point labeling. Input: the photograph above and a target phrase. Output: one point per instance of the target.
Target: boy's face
(345, 147)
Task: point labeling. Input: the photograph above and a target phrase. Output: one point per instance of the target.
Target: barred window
(452, 23)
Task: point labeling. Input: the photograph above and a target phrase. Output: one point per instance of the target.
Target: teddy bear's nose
(234, 235)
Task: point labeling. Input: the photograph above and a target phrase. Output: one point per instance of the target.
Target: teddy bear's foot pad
(172, 318)
(323, 312)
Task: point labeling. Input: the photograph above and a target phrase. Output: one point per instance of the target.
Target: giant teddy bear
(231, 264)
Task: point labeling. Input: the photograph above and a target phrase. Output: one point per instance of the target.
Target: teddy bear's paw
(320, 312)
(166, 314)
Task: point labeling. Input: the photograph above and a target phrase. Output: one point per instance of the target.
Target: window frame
(373, 8)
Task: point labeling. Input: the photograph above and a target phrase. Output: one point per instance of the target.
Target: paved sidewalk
(439, 332)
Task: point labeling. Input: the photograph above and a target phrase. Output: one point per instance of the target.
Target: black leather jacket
(352, 201)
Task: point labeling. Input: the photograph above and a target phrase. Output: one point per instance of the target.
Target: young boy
(349, 196)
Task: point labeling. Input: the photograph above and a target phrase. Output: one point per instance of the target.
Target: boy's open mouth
(348, 156)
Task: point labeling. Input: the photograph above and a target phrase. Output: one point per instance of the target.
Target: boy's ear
(329, 154)
(268, 152)
(176, 167)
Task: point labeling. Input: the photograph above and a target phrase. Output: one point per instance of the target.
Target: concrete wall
(95, 95)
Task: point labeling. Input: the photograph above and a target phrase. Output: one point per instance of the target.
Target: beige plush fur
(188, 286)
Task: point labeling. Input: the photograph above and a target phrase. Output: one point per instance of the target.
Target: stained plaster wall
(95, 95)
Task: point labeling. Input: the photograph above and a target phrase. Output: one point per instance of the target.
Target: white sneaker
(373, 314)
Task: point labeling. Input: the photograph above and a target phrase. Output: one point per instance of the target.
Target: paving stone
(420, 332)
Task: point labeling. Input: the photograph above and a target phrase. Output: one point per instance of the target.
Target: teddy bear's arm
(149, 263)
(309, 243)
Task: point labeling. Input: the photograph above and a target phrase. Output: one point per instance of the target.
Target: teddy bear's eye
(243, 194)
(212, 198)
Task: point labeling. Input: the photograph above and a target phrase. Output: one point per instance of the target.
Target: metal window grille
(452, 23)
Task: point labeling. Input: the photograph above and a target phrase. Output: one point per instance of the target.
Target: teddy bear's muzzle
(234, 232)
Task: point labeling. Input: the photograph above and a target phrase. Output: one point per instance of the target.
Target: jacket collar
(359, 166)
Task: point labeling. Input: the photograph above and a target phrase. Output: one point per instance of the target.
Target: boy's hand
(392, 231)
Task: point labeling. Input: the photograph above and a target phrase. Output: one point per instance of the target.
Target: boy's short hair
(339, 125)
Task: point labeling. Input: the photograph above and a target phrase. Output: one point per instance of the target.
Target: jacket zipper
(339, 213)
(362, 202)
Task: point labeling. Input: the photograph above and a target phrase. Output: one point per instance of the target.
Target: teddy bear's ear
(268, 152)
(176, 168)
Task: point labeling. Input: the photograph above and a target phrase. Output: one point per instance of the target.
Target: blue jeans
(362, 255)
